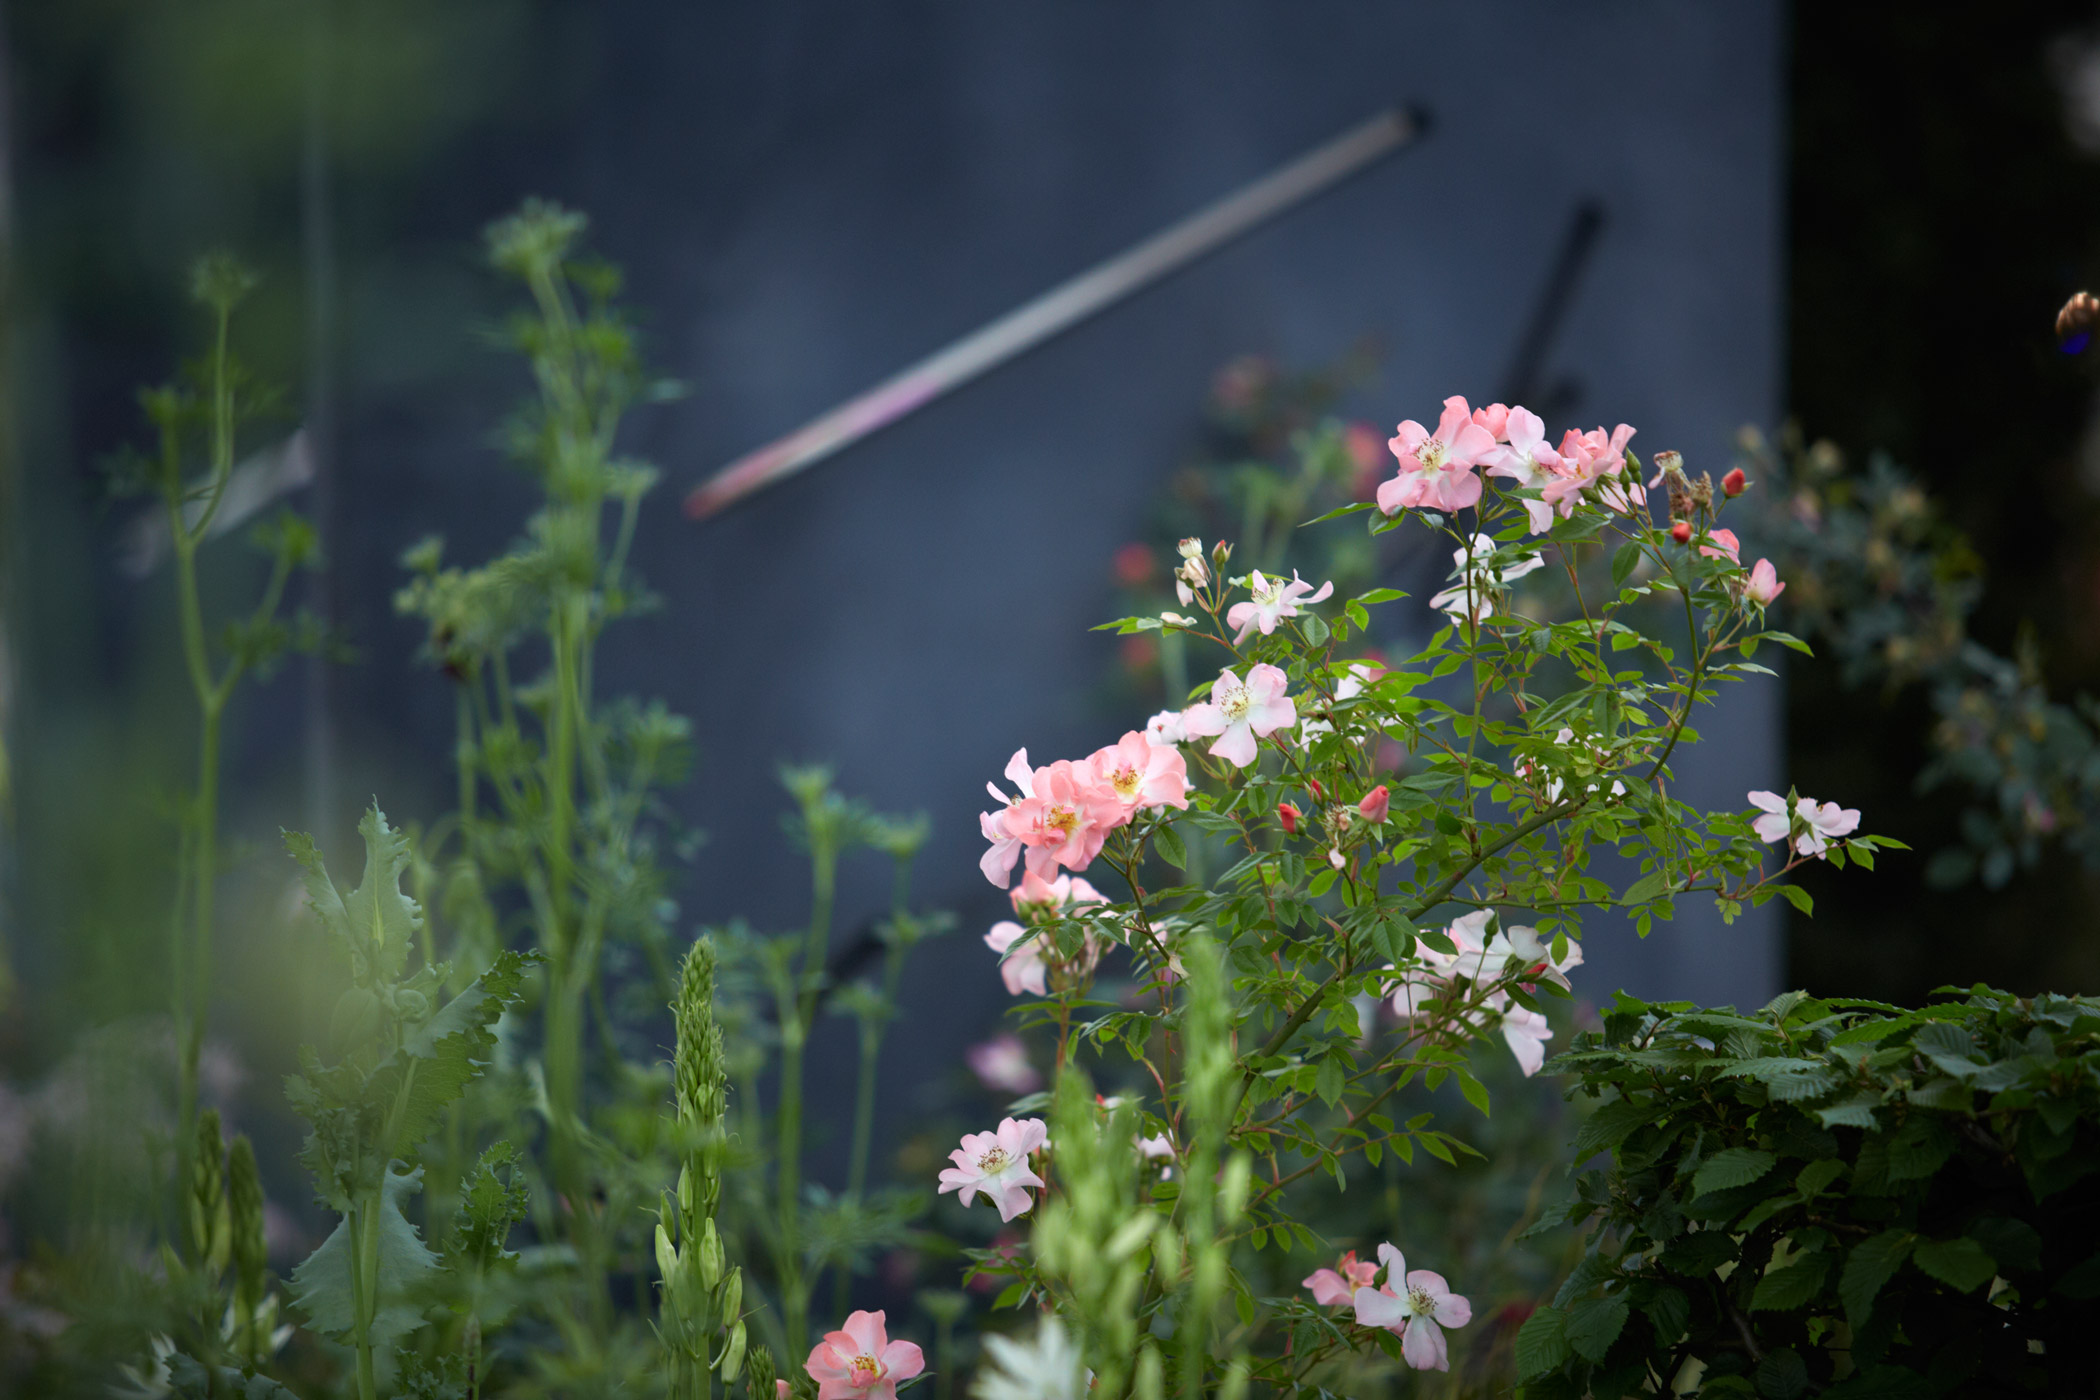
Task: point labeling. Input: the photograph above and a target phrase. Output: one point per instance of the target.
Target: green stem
(364, 1277)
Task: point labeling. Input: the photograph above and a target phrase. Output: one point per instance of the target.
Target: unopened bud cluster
(702, 1324)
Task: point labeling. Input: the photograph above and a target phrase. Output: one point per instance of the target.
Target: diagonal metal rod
(1060, 308)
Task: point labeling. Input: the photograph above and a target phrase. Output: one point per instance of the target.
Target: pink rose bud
(1681, 532)
(1288, 815)
(1319, 793)
(1375, 803)
(1735, 483)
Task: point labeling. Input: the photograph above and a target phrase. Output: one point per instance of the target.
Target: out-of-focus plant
(1884, 584)
(402, 1055)
(197, 419)
(1832, 1197)
(1256, 1067)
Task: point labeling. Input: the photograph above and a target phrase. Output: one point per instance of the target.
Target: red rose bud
(1376, 802)
(1288, 815)
(1318, 792)
(1681, 532)
(1735, 483)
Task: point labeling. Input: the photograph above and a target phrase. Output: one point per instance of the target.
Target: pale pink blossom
(1351, 685)
(1156, 1148)
(1525, 1032)
(781, 1389)
(1241, 711)
(1480, 580)
(1532, 464)
(1141, 773)
(1519, 949)
(1336, 1286)
(1820, 822)
(1594, 459)
(1436, 469)
(1496, 419)
(996, 1165)
(1029, 957)
(997, 863)
(1165, 728)
(1414, 1307)
(1001, 1064)
(1274, 600)
(860, 1362)
(1763, 586)
(1064, 820)
(1722, 544)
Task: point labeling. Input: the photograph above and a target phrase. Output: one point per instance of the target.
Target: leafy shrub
(1833, 1197)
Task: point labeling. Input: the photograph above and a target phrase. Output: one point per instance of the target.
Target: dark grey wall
(810, 196)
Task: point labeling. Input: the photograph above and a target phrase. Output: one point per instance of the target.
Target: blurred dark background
(1862, 216)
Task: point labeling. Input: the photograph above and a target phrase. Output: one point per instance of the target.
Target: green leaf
(1782, 1375)
(1624, 559)
(1594, 1324)
(1872, 1263)
(1791, 1286)
(1647, 887)
(1737, 1166)
(322, 1285)
(1167, 842)
(1961, 1264)
(1855, 1112)
(1670, 1312)
(1947, 1046)
(1542, 1343)
(375, 922)
(439, 1058)
(1380, 595)
(1315, 629)
(1609, 1126)
(1328, 1083)
(1476, 1093)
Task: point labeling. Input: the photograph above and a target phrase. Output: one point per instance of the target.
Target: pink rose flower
(997, 863)
(1436, 469)
(996, 1165)
(1532, 464)
(1723, 545)
(1414, 1307)
(860, 1362)
(1064, 820)
(1273, 601)
(1027, 957)
(1820, 822)
(1376, 803)
(1240, 711)
(1141, 773)
(1764, 585)
(1001, 1064)
(1336, 1286)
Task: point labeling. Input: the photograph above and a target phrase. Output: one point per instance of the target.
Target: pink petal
(1379, 1309)
(1236, 746)
(1423, 1346)
(902, 1360)
(1203, 720)
(1768, 801)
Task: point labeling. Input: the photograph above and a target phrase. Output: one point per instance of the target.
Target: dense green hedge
(1836, 1198)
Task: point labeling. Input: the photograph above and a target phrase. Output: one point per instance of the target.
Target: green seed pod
(666, 1256)
(710, 1255)
(733, 1354)
(732, 1296)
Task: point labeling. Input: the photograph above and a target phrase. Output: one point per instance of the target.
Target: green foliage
(1833, 1197)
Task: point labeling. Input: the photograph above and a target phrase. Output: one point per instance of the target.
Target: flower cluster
(1437, 469)
(1472, 981)
(1065, 810)
(1029, 960)
(1414, 1306)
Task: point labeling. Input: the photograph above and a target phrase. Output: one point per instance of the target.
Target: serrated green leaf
(1792, 1286)
(1328, 1083)
(1872, 1263)
(1609, 1126)
(1594, 1324)
(1542, 1343)
(322, 1286)
(1669, 1312)
(1737, 1166)
(437, 1061)
(1947, 1046)
(1961, 1264)
(1624, 560)
(375, 922)
(1855, 1112)
(1782, 1375)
